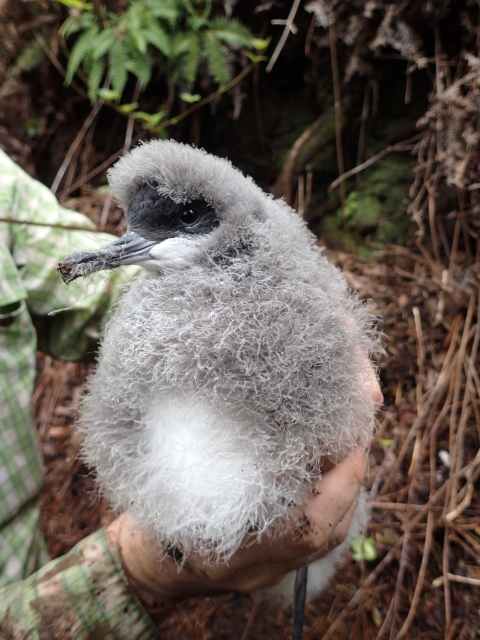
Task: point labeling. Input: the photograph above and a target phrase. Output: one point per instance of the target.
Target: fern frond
(132, 18)
(190, 60)
(217, 60)
(94, 78)
(195, 23)
(117, 66)
(156, 36)
(144, 15)
(80, 50)
(137, 41)
(187, 4)
(87, 20)
(69, 27)
(231, 32)
(207, 10)
(74, 24)
(181, 43)
(168, 11)
(103, 43)
(181, 30)
(139, 65)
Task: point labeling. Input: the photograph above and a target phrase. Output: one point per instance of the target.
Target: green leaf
(254, 57)
(31, 128)
(136, 19)
(189, 7)
(108, 94)
(117, 67)
(156, 36)
(181, 30)
(77, 4)
(73, 24)
(127, 108)
(190, 98)
(94, 78)
(153, 118)
(181, 43)
(208, 9)
(161, 132)
(217, 61)
(385, 443)
(364, 549)
(80, 49)
(259, 44)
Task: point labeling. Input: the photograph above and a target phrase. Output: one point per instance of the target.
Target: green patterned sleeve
(83, 595)
(37, 249)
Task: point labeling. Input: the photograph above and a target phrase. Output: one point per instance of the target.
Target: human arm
(38, 234)
(34, 235)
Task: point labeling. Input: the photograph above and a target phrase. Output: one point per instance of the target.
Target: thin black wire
(299, 597)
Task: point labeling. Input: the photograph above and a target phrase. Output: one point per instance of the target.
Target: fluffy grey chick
(231, 369)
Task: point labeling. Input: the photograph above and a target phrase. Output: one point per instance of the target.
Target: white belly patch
(202, 482)
(188, 437)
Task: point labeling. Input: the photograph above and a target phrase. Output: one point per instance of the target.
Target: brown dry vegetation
(425, 460)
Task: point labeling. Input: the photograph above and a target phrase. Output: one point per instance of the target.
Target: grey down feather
(222, 385)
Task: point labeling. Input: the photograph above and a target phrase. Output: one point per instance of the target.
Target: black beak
(129, 249)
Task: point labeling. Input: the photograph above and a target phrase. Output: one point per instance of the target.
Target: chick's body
(230, 370)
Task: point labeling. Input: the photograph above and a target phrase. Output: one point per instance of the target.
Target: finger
(317, 523)
(258, 577)
(337, 491)
(373, 386)
(338, 536)
(334, 496)
(342, 529)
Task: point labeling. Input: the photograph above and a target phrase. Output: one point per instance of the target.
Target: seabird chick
(231, 369)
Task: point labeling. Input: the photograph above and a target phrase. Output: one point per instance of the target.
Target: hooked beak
(131, 248)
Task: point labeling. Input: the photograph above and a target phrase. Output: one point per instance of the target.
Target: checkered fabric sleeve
(29, 289)
(82, 596)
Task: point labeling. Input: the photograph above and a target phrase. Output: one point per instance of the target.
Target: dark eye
(189, 216)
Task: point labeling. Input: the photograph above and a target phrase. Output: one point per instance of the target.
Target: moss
(375, 211)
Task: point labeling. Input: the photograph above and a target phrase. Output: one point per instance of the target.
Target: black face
(151, 218)
(157, 217)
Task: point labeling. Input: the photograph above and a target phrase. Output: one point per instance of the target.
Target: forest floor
(424, 465)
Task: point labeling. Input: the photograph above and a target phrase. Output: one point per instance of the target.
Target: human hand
(323, 524)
